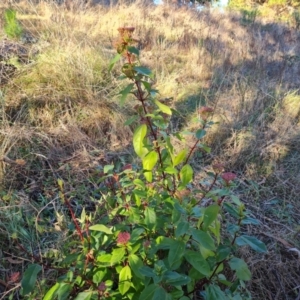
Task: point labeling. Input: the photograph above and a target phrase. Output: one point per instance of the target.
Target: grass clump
(12, 27)
(291, 105)
(249, 16)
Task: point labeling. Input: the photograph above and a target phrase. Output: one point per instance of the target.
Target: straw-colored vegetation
(60, 117)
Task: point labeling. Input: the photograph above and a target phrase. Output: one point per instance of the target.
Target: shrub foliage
(162, 231)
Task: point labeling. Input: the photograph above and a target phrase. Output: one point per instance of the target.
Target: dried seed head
(102, 286)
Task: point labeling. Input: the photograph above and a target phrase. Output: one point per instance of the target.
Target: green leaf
(147, 271)
(131, 120)
(64, 291)
(252, 221)
(200, 133)
(108, 168)
(113, 61)
(195, 274)
(99, 275)
(204, 239)
(84, 296)
(210, 215)
(133, 50)
(140, 183)
(69, 259)
(148, 175)
(169, 145)
(143, 71)
(222, 252)
(182, 228)
(150, 218)
(104, 258)
(162, 107)
(176, 252)
(102, 228)
(222, 279)
(147, 85)
(176, 215)
(176, 279)
(161, 294)
(124, 280)
(136, 263)
(180, 157)
(125, 93)
(198, 262)
(148, 292)
(205, 252)
(136, 234)
(177, 293)
(186, 174)
(241, 268)
(164, 243)
(213, 292)
(138, 140)
(232, 210)
(251, 241)
(171, 170)
(204, 147)
(218, 192)
(180, 208)
(153, 92)
(29, 278)
(216, 230)
(149, 161)
(236, 200)
(117, 256)
(137, 200)
(233, 228)
(50, 295)
(140, 193)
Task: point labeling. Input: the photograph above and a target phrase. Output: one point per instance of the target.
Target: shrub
(12, 27)
(161, 233)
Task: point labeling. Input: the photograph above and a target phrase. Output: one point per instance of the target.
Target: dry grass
(60, 112)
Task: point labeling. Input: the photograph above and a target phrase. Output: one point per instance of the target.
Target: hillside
(61, 118)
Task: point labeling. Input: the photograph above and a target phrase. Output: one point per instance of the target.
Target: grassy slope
(61, 115)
